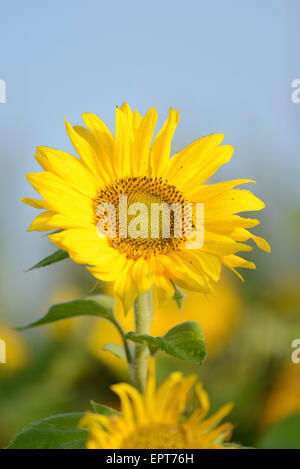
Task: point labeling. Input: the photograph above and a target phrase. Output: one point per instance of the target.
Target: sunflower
(160, 419)
(128, 164)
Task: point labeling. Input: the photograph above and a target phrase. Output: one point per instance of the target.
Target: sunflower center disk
(141, 216)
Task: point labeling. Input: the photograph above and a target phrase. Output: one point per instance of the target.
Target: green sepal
(56, 256)
(104, 409)
(185, 341)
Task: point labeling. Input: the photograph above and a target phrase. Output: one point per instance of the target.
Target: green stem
(125, 343)
(143, 310)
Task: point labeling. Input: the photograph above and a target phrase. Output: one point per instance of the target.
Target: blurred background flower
(61, 330)
(284, 398)
(218, 316)
(16, 350)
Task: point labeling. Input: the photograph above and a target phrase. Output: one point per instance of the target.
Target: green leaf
(178, 296)
(56, 256)
(56, 432)
(100, 305)
(117, 350)
(103, 409)
(185, 341)
(283, 435)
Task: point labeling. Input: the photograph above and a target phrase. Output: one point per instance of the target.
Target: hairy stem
(143, 310)
(126, 348)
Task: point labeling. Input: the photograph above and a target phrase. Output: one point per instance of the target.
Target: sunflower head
(129, 184)
(142, 193)
(160, 419)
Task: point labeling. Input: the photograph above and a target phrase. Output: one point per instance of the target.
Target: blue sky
(227, 66)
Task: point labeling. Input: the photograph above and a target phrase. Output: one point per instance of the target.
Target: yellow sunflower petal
(35, 203)
(205, 262)
(137, 403)
(212, 421)
(47, 221)
(143, 275)
(161, 147)
(85, 247)
(150, 388)
(104, 142)
(103, 159)
(236, 261)
(87, 154)
(61, 197)
(185, 275)
(101, 132)
(232, 202)
(199, 149)
(178, 400)
(136, 119)
(163, 396)
(198, 162)
(164, 289)
(226, 225)
(122, 145)
(125, 288)
(206, 192)
(143, 138)
(207, 168)
(240, 234)
(222, 245)
(126, 404)
(200, 414)
(70, 169)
